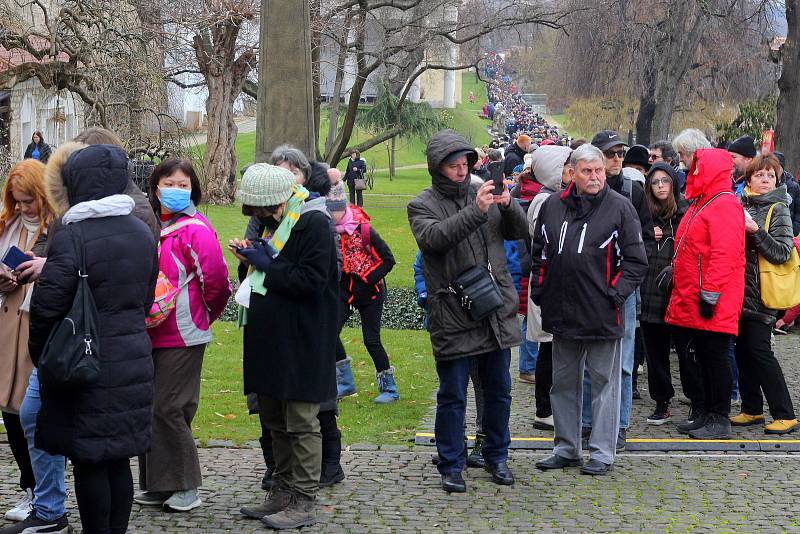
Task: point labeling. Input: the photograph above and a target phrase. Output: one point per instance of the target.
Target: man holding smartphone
(459, 226)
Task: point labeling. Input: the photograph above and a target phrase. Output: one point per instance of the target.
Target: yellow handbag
(780, 284)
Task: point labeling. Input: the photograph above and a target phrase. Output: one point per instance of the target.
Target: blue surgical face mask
(175, 199)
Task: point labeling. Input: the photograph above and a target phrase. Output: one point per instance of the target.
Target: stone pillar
(285, 96)
(449, 89)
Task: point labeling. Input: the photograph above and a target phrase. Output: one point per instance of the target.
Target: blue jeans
(451, 404)
(528, 351)
(50, 495)
(734, 371)
(627, 353)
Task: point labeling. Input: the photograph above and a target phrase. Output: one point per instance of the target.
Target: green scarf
(294, 206)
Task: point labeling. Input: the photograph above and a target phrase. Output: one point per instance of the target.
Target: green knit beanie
(265, 185)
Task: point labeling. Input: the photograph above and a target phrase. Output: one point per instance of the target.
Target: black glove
(536, 296)
(260, 255)
(706, 309)
(708, 302)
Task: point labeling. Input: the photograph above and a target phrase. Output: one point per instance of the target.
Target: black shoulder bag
(70, 356)
(477, 289)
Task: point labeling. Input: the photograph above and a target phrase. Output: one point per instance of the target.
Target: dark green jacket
(453, 235)
(774, 244)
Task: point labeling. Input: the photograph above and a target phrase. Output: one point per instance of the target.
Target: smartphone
(496, 175)
(14, 257)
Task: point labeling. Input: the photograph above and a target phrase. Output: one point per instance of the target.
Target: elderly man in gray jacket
(459, 226)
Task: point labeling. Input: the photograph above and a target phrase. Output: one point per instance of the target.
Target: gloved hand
(260, 255)
(708, 302)
(706, 309)
(422, 299)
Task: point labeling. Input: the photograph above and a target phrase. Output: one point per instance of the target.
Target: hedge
(400, 312)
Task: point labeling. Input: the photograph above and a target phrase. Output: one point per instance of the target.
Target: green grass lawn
(223, 410)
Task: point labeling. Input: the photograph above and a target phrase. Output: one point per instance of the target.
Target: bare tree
(787, 132)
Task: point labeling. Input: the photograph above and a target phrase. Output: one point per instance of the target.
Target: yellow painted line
(653, 440)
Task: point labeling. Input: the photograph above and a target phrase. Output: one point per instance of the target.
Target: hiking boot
(527, 378)
(745, 419)
(475, 458)
(345, 381)
(300, 512)
(543, 423)
(152, 498)
(660, 415)
(269, 478)
(782, 426)
(183, 501)
(387, 388)
(23, 508)
(275, 501)
(331, 474)
(716, 427)
(32, 524)
(453, 483)
(696, 420)
(622, 439)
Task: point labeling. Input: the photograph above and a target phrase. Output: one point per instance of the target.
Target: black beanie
(781, 158)
(745, 145)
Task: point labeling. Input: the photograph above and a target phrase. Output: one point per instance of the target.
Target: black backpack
(70, 358)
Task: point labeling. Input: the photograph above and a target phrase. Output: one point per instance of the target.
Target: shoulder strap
(695, 214)
(188, 221)
(627, 186)
(769, 215)
(83, 279)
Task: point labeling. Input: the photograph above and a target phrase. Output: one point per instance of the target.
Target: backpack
(166, 294)
(627, 187)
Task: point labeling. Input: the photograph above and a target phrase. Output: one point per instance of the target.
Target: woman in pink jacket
(191, 258)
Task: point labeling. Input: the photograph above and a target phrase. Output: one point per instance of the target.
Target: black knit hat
(637, 155)
(745, 145)
(781, 158)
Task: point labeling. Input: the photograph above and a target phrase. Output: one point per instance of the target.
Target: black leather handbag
(478, 292)
(70, 356)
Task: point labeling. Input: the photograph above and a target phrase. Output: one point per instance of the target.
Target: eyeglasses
(614, 153)
(654, 157)
(661, 181)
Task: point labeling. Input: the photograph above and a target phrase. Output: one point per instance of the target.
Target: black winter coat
(454, 235)
(587, 258)
(793, 189)
(659, 253)
(774, 244)
(111, 419)
(639, 204)
(290, 338)
(352, 288)
(355, 169)
(514, 155)
(44, 151)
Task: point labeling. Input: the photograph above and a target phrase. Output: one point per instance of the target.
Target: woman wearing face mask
(190, 257)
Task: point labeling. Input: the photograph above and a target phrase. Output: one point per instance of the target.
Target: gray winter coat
(774, 244)
(454, 235)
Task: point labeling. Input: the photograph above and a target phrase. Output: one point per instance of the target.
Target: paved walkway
(397, 490)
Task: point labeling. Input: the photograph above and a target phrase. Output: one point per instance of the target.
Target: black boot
(475, 458)
(268, 480)
(331, 474)
(697, 419)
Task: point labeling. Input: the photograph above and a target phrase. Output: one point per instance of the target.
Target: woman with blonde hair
(24, 218)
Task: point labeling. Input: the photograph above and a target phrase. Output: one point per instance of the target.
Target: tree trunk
(681, 46)
(393, 158)
(333, 123)
(219, 159)
(787, 130)
(316, 73)
(647, 102)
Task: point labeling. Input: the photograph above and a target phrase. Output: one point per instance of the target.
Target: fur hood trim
(56, 190)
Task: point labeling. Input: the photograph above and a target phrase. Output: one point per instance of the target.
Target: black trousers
(658, 340)
(759, 371)
(105, 495)
(711, 353)
(19, 448)
(331, 440)
(639, 356)
(370, 329)
(356, 196)
(544, 380)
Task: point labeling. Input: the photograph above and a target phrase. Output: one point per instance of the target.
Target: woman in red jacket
(708, 286)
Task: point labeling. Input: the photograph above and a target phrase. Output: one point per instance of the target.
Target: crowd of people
(592, 258)
(142, 317)
(609, 256)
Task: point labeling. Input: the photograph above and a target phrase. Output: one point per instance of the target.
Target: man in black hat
(613, 147)
(637, 157)
(743, 150)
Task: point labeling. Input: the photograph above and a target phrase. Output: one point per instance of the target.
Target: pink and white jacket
(190, 256)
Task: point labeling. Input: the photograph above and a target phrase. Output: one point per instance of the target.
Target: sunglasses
(614, 153)
(653, 157)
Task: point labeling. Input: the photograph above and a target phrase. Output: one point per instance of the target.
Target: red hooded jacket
(709, 248)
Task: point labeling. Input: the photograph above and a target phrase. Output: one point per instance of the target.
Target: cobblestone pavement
(395, 491)
(523, 407)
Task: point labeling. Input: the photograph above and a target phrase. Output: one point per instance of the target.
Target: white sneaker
(183, 501)
(23, 508)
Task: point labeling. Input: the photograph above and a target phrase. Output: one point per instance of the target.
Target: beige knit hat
(265, 185)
